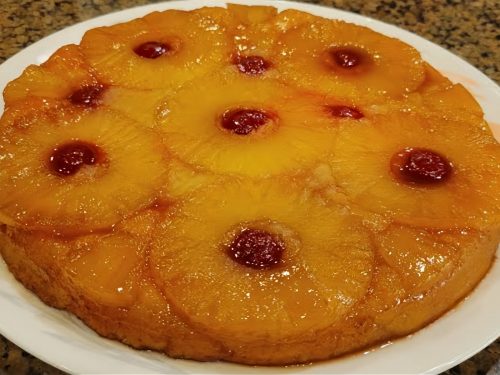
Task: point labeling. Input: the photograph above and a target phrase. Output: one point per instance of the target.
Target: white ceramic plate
(63, 341)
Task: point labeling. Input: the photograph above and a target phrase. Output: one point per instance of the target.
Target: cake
(246, 185)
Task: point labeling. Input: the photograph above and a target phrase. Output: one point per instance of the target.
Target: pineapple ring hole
(251, 65)
(243, 121)
(152, 49)
(343, 111)
(420, 166)
(69, 158)
(88, 96)
(348, 59)
(256, 248)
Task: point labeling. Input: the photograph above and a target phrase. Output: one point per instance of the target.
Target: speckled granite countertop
(470, 29)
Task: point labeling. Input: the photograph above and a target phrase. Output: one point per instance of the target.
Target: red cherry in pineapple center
(252, 65)
(151, 50)
(256, 249)
(244, 121)
(421, 166)
(347, 57)
(89, 96)
(67, 159)
(343, 111)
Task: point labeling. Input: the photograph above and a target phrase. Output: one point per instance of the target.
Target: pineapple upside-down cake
(246, 185)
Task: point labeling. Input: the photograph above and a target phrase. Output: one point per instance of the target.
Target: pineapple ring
(299, 134)
(387, 67)
(438, 94)
(416, 285)
(256, 29)
(66, 72)
(94, 197)
(433, 80)
(196, 41)
(468, 198)
(102, 269)
(452, 101)
(422, 257)
(325, 269)
(57, 78)
(253, 32)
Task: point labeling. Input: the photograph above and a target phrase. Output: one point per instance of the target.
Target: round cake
(246, 185)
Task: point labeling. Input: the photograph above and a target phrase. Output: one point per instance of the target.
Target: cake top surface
(285, 157)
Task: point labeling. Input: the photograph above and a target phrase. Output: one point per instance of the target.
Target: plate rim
(472, 73)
